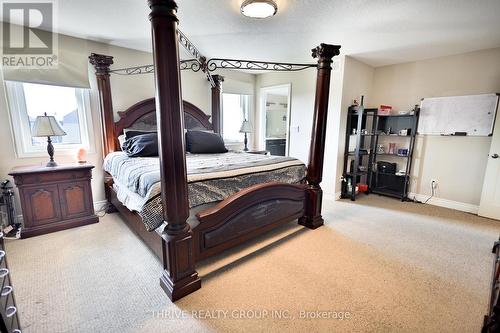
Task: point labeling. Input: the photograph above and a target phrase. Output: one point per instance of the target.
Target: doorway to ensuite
(275, 124)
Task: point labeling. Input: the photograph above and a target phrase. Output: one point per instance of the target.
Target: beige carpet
(394, 267)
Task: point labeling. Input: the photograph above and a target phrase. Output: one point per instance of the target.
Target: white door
(490, 197)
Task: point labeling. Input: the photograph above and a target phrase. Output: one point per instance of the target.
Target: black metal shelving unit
(390, 184)
(360, 164)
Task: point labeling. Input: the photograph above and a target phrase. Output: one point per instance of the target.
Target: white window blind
(69, 105)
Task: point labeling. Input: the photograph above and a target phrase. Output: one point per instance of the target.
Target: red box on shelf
(384, 110)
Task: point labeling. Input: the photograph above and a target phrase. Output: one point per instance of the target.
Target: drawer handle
(1, 235)
(3, 272)
(10, 311)
(16, 331)
(6, 291)
(2, 254)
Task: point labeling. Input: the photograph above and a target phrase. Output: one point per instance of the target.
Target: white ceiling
(377, 32)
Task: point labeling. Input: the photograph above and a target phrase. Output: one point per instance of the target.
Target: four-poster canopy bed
(188, 236)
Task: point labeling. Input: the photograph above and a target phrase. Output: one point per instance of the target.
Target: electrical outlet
(434, 183)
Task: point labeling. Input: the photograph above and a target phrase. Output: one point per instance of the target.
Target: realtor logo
(27, 35)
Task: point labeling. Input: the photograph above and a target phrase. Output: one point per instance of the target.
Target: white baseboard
(331, 196)
(100, 205)
(461, 206)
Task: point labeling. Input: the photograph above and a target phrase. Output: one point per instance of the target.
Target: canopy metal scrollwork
(200, 63)
(219, 63)
(186, 43)
(191, 64)
(146, 69)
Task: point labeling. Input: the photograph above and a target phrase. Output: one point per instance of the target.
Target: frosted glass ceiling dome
(259, 8)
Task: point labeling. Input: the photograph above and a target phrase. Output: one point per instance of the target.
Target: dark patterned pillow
(202, 142)
(142, 145)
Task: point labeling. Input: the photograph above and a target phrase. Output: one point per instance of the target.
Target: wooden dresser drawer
(75, 199)
(51, 177)
(40, 205)
(54, 198)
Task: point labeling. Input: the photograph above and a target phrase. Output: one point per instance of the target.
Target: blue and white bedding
(211, 178)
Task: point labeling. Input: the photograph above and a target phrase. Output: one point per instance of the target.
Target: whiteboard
(474, 114)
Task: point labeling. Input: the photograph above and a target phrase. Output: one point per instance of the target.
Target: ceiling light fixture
(259, 9)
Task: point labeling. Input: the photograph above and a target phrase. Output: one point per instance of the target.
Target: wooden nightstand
(54, 199)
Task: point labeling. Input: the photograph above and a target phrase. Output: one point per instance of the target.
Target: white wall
(196, 89)
(357, 82)
(457, 163)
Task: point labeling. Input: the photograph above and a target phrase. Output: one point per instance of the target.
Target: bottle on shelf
(349, 186)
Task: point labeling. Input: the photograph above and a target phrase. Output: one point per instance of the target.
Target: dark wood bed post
(314, 194)
(179, 277)
(216, 103)
(101, 64)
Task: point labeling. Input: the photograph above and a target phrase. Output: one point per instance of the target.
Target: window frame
(246, 115)
(21, 131)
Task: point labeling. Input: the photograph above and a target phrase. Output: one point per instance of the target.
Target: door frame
(262, 126)
(486, 206)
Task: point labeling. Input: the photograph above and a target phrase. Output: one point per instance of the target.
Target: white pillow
(121, 140)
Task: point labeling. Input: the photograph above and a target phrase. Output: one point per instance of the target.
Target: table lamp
(246, 127)
(47, 126)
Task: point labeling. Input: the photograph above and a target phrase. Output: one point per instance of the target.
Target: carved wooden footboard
(245, 215)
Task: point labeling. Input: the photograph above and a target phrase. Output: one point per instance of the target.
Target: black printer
(386, 167)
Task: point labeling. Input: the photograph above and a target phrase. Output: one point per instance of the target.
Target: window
(68, 105)
(235, 109)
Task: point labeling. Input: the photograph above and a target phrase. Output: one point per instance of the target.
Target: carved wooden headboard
(142, 116)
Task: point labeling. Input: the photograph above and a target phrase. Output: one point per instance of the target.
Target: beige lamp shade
(246, 127)
(46, 126)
